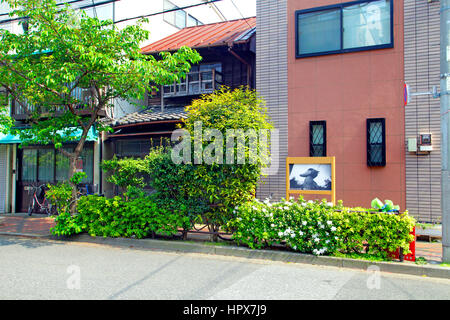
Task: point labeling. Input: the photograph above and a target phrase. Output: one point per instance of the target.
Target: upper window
(346, 27)
(178, 18)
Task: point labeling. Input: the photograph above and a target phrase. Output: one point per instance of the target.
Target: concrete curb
(282, 256)
(241, 252)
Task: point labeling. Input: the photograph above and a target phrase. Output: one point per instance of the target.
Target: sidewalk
(21, 224)
(39, 226)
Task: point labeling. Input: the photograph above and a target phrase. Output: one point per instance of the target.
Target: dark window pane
(87, 155)
(376, 143)
(317, 132)
(319, 31)
(317, 136)
(62, 165)
(29, 165)
(46, 165)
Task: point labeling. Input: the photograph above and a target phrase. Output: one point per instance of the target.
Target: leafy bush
(320, 228)
(115, 217)
(60, 195)
(99, 216)
(225, 184)
(125, 173)
(172, 185)
(303, 226)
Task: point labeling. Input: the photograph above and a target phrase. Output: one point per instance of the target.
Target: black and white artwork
(310, 177)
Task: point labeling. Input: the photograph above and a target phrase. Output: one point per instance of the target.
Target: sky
(130, 8)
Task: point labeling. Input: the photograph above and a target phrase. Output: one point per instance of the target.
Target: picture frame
(311, 175)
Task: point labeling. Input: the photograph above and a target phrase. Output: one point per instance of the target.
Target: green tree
(226, 182)
(64, 50)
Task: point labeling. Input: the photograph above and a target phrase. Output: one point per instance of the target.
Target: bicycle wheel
(31, 207)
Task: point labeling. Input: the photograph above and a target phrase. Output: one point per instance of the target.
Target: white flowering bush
(320, 228)
(302, 226)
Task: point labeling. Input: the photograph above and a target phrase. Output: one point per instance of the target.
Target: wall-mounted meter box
(425, 144)
(412, 145)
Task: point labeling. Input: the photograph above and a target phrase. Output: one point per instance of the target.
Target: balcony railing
(195, 83)
(23, 110)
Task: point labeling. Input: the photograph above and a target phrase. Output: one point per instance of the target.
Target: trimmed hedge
(320, 228)
(310, 227)
(116, 217)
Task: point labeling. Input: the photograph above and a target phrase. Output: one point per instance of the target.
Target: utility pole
(445, 125)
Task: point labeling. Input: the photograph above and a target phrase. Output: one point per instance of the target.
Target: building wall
(422, 114)
(345, 90)
(272, 83)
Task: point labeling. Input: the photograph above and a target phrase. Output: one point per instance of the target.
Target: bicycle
(39, 202)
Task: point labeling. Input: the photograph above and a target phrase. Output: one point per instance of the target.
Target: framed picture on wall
(310, 175)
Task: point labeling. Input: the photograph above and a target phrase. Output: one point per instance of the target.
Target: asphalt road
(35, 269)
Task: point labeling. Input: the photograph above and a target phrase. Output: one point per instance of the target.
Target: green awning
(10, 139)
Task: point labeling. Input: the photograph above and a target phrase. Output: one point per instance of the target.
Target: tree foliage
(66, 50)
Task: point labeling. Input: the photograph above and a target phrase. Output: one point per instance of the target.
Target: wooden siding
(272, 82)
(422, 115)
(234, 72)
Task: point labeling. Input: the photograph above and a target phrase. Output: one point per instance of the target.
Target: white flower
(329, 222)
(300, 233)
(292, 235)
(304, 223)
(303, 204)
(330, 204)
(333, 228)
(286, 208)
(310, 201)
(294, 247)
(280, 234)
(272, 225)
(336, 238)
(316, 239)
(264, 210)
(328, 241)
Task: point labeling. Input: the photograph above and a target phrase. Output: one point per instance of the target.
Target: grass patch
(421, 261)
(360, 256)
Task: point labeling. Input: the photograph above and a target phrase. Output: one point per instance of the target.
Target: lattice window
(317, 139)
(376, 142)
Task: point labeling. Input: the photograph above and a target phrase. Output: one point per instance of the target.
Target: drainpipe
(249, 66)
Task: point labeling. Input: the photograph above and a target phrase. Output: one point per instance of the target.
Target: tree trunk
(73, 168)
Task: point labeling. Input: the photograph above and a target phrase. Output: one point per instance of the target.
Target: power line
(58, 4)
(81, 7)
(167, 11)
(245, 19)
